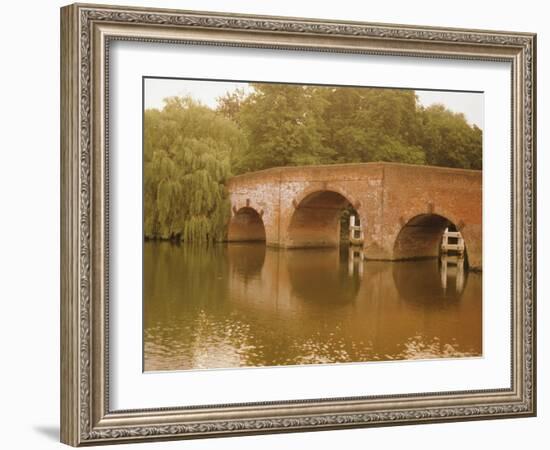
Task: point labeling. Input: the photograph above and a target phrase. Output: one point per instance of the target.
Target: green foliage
(187, 159)
(283, 125)
(301, 125)
(448, 139)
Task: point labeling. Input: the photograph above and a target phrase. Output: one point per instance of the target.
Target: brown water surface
(237, 305)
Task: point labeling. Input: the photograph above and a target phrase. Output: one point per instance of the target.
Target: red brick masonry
(403, 208)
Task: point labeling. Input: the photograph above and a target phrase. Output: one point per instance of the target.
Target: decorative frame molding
(86, 31)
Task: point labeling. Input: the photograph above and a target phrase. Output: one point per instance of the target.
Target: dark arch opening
(421, 237)
(246, 226)
(319, 220)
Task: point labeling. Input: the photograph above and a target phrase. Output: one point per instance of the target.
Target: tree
(282, 124)
(301, 125)
(187, 158)
(230, 104)
(449, 140)
(372, 124)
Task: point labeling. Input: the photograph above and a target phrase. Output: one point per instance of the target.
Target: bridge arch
(315, 221)
(420, 236)
(246, 225)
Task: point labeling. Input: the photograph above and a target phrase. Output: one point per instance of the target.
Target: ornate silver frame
(86, 31)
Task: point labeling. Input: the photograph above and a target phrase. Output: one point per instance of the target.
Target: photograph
(293, 224)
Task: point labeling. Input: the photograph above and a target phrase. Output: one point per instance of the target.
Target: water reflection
(452, 267)
(439, 285)
(248, 305)
(318, 276)
(356, 260)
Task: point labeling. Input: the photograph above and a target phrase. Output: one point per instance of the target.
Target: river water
(243, 305)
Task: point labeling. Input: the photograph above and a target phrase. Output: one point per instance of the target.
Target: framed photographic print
(274, 224)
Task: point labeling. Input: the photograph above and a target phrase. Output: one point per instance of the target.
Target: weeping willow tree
(188, 150)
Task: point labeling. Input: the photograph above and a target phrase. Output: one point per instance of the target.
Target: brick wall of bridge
(394, 201)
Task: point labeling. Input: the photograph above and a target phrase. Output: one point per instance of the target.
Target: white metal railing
(356, 236)
(458, 246)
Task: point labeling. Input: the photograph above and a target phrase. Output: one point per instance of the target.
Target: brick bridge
(403, 209)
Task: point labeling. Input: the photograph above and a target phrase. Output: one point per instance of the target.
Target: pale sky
(156, 89)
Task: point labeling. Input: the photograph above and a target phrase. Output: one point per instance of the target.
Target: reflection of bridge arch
(335, 287)
(420, 236)
(246, 259)
(246, 225)
(423, 286)
(315, 221)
